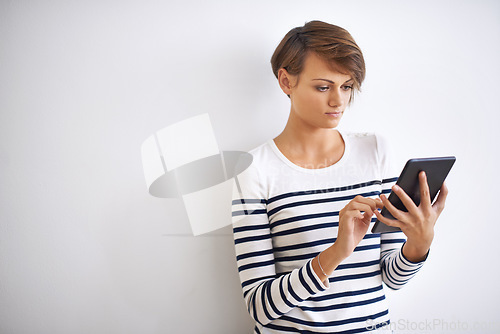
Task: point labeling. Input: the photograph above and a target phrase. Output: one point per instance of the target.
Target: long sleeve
(396, 269)
(267, 295)
(284, 215)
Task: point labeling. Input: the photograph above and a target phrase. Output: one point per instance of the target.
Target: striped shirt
(284, 215)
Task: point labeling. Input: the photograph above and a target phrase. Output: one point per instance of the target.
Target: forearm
(270, 298)
(397, 269)
(267, 295)
(415, 252)
(327, 261)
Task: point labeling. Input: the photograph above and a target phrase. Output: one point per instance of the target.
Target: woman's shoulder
(262, 158)
(375, 145)
(366, 140)
(252, 182)
(361, 135)
(262, 153)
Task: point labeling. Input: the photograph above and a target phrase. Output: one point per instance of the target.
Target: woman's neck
(310, 147)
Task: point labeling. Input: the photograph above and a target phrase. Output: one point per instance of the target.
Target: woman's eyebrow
(332, 82)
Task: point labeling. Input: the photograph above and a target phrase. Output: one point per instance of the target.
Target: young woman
(302, 211)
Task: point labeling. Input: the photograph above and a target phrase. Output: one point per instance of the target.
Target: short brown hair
(330, 42)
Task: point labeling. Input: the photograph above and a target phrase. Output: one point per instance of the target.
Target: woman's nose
(335, 99)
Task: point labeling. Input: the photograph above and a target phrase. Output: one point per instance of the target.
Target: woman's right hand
(354, 221)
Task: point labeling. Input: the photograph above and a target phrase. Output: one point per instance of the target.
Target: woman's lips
(334, 114)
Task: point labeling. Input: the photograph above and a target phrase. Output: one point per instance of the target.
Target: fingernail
(395, 187)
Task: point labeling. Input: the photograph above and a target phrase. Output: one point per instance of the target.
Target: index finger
(405, 199)
(373, 203)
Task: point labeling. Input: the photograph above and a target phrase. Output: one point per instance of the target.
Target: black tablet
(436, 170)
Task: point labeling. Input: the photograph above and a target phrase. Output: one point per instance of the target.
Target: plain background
(85, 249)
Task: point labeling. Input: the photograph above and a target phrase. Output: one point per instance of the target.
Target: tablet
(436, 170)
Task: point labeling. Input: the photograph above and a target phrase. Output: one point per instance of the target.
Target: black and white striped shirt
(284, 215)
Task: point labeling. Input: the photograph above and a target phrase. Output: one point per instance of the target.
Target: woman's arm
(418, 223)
(268, 295)
(354, 221)
(401, 258)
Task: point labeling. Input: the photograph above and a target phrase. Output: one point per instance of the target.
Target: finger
(368, 201)
(439, 203)
(405, 199)
(367, 217)
(388, 221)
(358, 207)
(425, 196)
(352, 210)
(396, 213)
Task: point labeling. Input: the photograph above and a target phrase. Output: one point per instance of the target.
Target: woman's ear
(285, 81)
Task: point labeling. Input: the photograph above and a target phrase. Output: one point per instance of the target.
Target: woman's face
(319, 95)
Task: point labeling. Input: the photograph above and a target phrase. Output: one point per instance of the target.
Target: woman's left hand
(418, 223)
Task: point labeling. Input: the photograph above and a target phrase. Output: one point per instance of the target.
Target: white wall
(85, 249)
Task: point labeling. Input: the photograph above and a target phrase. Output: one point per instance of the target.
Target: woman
(302, 210)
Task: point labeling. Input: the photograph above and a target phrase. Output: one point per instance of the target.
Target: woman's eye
(322, 88)
(347, 87)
